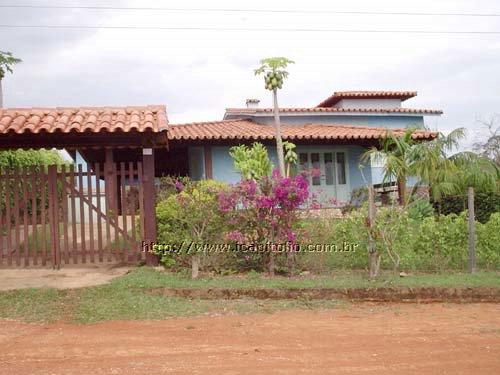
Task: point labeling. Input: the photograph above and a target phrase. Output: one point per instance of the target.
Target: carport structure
(64, 203)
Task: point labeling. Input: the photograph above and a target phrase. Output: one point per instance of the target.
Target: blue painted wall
(356, 174)
(390, 121)
(223, 166)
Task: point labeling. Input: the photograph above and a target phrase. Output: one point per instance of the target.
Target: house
(330, 137)
(126, 148)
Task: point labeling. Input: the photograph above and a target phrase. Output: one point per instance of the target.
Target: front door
(327, 174)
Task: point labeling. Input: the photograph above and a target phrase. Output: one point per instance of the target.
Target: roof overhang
(266, 112)
(247, 130)
(339, 95)
(83, 127)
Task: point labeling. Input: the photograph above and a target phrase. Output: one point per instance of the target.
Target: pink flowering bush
(263, 213)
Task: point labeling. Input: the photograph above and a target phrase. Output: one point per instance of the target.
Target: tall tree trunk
(374, 264)
(401, 191)
(1, 93)
(195, 266)
(279, 141)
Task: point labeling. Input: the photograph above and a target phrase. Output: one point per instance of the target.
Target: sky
(199, 73)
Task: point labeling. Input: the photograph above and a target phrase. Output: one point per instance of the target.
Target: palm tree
(433, 166)
(477, 171)
(6, 62)
(396, 154)
(274, 74)
(430, 164)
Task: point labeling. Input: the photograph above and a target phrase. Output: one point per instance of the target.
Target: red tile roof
(249, 130)
(332, 109)
(339, 95)
(92, 119)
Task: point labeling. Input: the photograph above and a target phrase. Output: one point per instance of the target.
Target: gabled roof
(334, 109)
(151, 118)
(248, 130)
(339, 95)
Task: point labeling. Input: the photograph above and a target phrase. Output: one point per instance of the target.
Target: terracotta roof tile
(333, 109)
(339, 95)
(92, 119)
(249, 130)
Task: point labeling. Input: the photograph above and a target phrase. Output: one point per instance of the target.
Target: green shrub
(441, 243)
(429, 244)
(488, 243)
(187, 219)
(484, 204)
(420, 209)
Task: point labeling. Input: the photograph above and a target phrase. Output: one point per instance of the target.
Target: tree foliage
(10, 159)
(274, 70)
(187, 221)
(252, 162)
(6, 62)
(490, 148)
(431, 163)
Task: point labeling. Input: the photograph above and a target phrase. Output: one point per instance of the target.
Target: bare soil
(363, 338)
(71, 276)
(396, 294)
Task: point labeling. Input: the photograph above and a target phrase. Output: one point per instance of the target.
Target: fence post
(472, 230)
(148, 180)
(110, 183)
(372, 250)
(54, 215)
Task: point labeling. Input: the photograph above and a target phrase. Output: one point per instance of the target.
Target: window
(329, 174)
(341, 168)
(196, 163)
(316, 169)
(303, 162)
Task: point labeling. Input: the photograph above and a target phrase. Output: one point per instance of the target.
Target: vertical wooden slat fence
(56, 215)
(99, 208)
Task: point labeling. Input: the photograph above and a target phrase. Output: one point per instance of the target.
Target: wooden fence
(55, 215)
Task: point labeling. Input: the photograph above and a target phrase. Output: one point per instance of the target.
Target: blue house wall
(389, 121)
(223, 165)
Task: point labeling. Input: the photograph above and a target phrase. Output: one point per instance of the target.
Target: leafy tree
(431, 164)
(6, 62)
(490, 148)
(252, 162)
(189, 220)
(274, 73)
(476, 171)
(11, 159)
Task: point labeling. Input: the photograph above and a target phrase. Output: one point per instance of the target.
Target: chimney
(253, 103)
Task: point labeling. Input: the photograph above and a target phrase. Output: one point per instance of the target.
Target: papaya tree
(274, 72)
(6, 62)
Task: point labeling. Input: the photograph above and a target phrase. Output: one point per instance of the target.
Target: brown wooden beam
(81, 140)
(148, 181)
(110, 179)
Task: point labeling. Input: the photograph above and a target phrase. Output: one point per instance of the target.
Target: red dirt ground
(355, 339)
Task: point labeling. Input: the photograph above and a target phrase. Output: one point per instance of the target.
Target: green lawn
(127, 298)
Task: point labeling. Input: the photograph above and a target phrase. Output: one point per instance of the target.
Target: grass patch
(149, 278)
(34, 305)
(127, 297)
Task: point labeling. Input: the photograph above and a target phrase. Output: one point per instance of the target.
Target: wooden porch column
(110, 182)
(148, 183)
(208, 162)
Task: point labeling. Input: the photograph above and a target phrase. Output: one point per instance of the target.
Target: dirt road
(355, 339)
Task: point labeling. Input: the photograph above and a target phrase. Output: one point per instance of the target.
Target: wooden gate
(65, 214)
